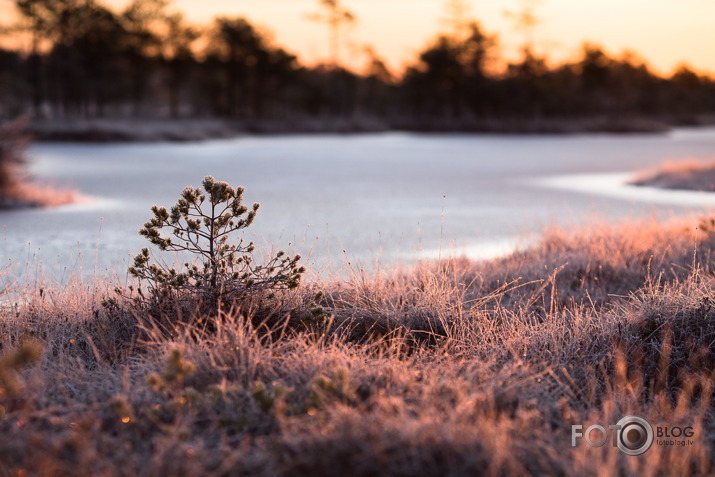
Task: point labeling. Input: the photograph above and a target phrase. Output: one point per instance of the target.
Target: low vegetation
(12, 154)
(221, 271)
(16, 190)
(687, 175)
(455, 367)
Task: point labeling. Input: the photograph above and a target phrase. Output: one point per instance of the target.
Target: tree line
(87, 60)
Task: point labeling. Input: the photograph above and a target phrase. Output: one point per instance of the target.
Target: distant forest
(84, 60)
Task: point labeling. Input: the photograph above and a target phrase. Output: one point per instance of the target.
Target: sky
(666, 33)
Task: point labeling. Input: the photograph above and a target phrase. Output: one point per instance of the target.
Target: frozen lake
(392, 197)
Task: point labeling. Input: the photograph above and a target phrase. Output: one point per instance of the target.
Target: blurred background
(117, 95)
(398, 64)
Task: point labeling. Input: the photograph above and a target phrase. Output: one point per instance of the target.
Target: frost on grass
(205, 228)
(451, 368)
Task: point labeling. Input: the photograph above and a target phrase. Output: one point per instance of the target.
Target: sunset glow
(666, 33)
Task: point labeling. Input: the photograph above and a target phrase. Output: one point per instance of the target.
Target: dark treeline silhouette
(88, 61)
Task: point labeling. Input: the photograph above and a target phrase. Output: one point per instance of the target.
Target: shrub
(202, 224)
(26, 353)
(13, 142)
(176, 370)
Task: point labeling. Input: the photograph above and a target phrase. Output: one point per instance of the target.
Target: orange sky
(665, 32)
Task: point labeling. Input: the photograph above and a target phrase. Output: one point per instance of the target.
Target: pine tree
(202, 224)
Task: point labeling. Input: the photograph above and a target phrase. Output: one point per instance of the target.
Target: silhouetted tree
(13, 88)
(691, 94)
(177, 42)
(253, 71)
(378, 85)
(457, 18)
(141, 19)
(86, 59)
(237, 47)
(41, 16)
(84, 39)
(525, 20)
(525, 86)
(335, 15)
(450, 77)
(92, 62)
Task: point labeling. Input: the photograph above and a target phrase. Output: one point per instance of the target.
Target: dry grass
(689, 175)
(30, 194)
(452, 368)
(16, 189)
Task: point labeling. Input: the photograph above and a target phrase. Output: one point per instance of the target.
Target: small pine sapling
(203, 223)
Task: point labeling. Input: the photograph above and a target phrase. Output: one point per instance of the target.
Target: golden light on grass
(34, 195)
(682, 175)
(457, 366)
(16, 187)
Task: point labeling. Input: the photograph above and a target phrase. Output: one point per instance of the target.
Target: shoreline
(683, 175)
(199, 129)
(31, 195)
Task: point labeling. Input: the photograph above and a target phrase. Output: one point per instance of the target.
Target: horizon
(563, 29)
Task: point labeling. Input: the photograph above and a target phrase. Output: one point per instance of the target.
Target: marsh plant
(205, 224)
(594, 324)
(13, 142)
